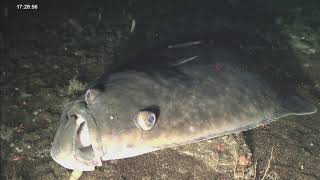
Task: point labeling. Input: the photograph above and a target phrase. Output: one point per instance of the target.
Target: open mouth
(77, 144)
(84, 149)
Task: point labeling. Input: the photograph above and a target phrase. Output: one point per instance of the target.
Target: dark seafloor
(52, 53)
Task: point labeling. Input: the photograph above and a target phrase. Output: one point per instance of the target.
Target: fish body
(190, 102)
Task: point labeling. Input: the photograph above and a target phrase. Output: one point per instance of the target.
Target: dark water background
(43, 49)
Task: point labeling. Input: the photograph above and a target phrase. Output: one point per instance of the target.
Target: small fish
(137, 111)
(187, 44)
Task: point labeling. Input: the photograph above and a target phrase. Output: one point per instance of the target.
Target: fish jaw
(77, 143)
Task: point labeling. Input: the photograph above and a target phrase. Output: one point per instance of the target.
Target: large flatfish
(136, 111)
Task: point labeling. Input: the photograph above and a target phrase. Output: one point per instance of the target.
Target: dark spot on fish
(129, 145)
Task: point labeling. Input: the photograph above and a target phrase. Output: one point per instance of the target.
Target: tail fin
(297, 106)
(293, 105)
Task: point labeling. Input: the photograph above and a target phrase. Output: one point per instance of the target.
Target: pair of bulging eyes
(145, 120)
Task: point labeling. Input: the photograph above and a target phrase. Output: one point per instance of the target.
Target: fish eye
(151, 119)
(90, 95)
(145, 120)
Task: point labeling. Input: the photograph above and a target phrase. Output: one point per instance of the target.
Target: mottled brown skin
(194, 101)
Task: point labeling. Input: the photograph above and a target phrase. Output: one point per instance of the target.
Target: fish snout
(75, 145)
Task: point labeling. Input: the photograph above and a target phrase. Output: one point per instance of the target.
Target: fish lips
(77, 144)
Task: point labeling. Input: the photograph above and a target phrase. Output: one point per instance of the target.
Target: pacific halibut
(136, 111)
